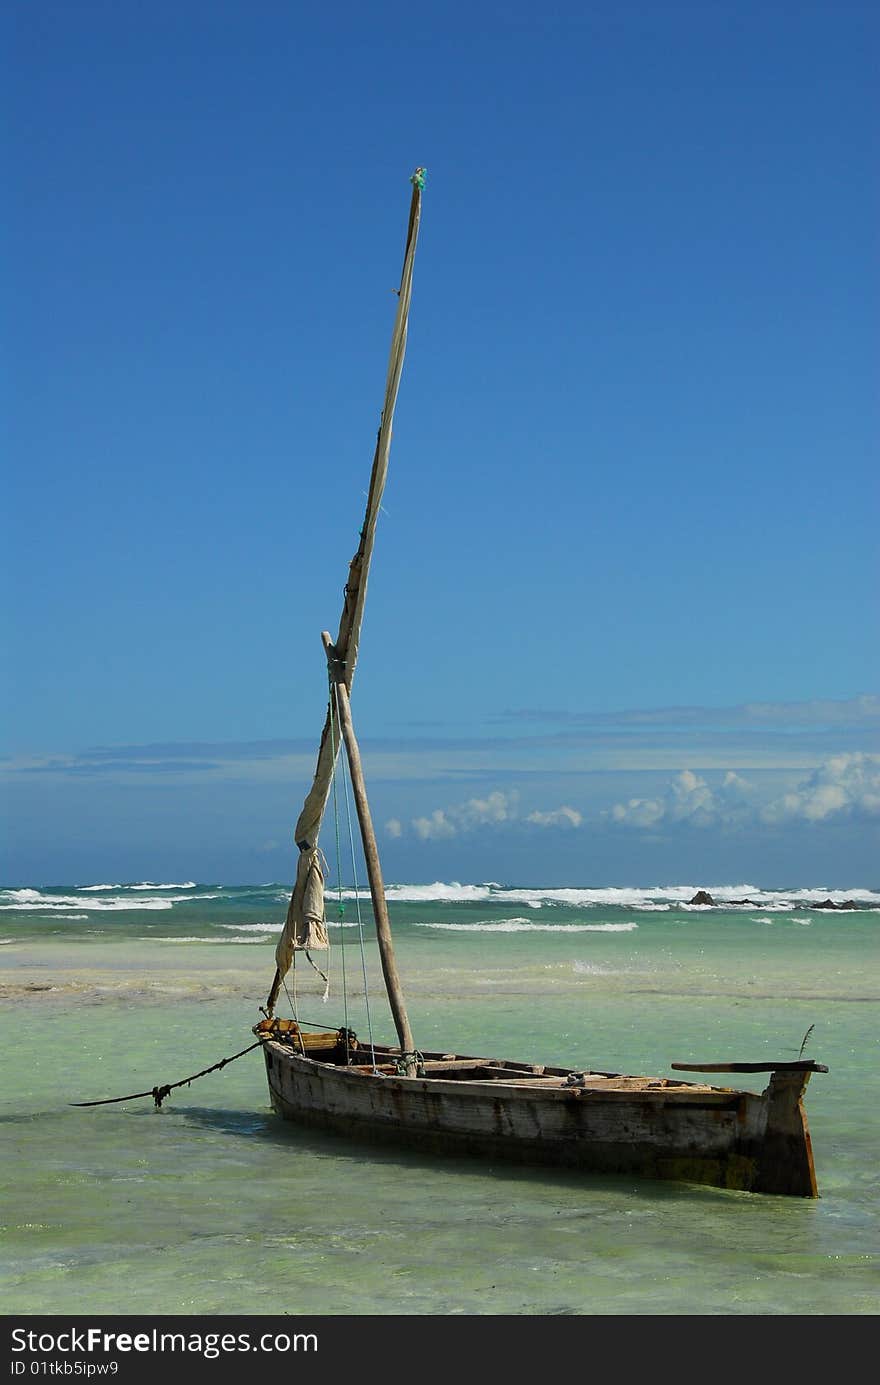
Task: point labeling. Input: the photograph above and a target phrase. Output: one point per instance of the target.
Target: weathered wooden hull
(600, 1123)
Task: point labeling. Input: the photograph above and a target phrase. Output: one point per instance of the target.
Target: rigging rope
(159, 1093)
(341, 906)
(323, 975)
(291, 1001)
(357, 897)
(333, 727)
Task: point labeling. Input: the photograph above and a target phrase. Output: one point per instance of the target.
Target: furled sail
(305, 925)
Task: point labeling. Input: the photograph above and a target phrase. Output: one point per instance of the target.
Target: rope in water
(159, 1093)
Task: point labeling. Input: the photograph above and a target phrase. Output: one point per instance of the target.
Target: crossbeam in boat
(799, 1065)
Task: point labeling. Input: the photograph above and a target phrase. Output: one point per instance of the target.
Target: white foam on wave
(527, 926)
(55, 902)
(774, 906)
(627, 897)
(212, 942)
(142, 885)
(647, 898)
(266, 927)
(250, 928)
(148, 885)
(24, 900)
(455, 893)
(786, 900)
(837, 896)
(438, 892)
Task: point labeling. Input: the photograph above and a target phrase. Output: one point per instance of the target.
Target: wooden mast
(309, 822)
(371, 855)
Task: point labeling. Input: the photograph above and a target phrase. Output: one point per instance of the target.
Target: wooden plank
(801, 1065)
(450, 1065)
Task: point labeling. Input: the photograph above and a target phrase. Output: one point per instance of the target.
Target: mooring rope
(159, 1093)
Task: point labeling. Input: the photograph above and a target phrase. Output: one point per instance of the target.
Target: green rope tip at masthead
(418, 179)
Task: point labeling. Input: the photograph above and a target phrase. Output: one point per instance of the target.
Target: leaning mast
(305, 913)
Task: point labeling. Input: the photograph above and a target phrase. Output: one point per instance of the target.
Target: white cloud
(560, 817)
(463, 817)
(844, 786)
(436, 826)
(496, 808)
(394, 827)
(638, 812)
(688, 799)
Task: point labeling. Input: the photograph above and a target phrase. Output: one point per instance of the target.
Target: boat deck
(383, 1061)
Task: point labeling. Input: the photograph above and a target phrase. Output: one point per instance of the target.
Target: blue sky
(622, 616)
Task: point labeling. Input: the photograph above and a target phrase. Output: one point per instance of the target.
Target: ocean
(212, 1205)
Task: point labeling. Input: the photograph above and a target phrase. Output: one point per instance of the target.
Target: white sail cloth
(306, 926)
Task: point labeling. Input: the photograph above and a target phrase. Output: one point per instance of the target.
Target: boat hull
(599, 1123)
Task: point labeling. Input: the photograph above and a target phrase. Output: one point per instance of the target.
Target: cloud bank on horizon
(683, 791)
(497, 807)
(844, 786)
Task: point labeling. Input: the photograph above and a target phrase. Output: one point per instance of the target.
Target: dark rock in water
(829, 904)
(702, 897)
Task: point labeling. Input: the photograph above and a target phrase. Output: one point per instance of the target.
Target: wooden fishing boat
(486, 1107)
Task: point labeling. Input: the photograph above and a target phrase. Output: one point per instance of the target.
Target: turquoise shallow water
(199, 1207)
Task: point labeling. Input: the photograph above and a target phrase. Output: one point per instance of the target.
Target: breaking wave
(648, 898)
(527, 926)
